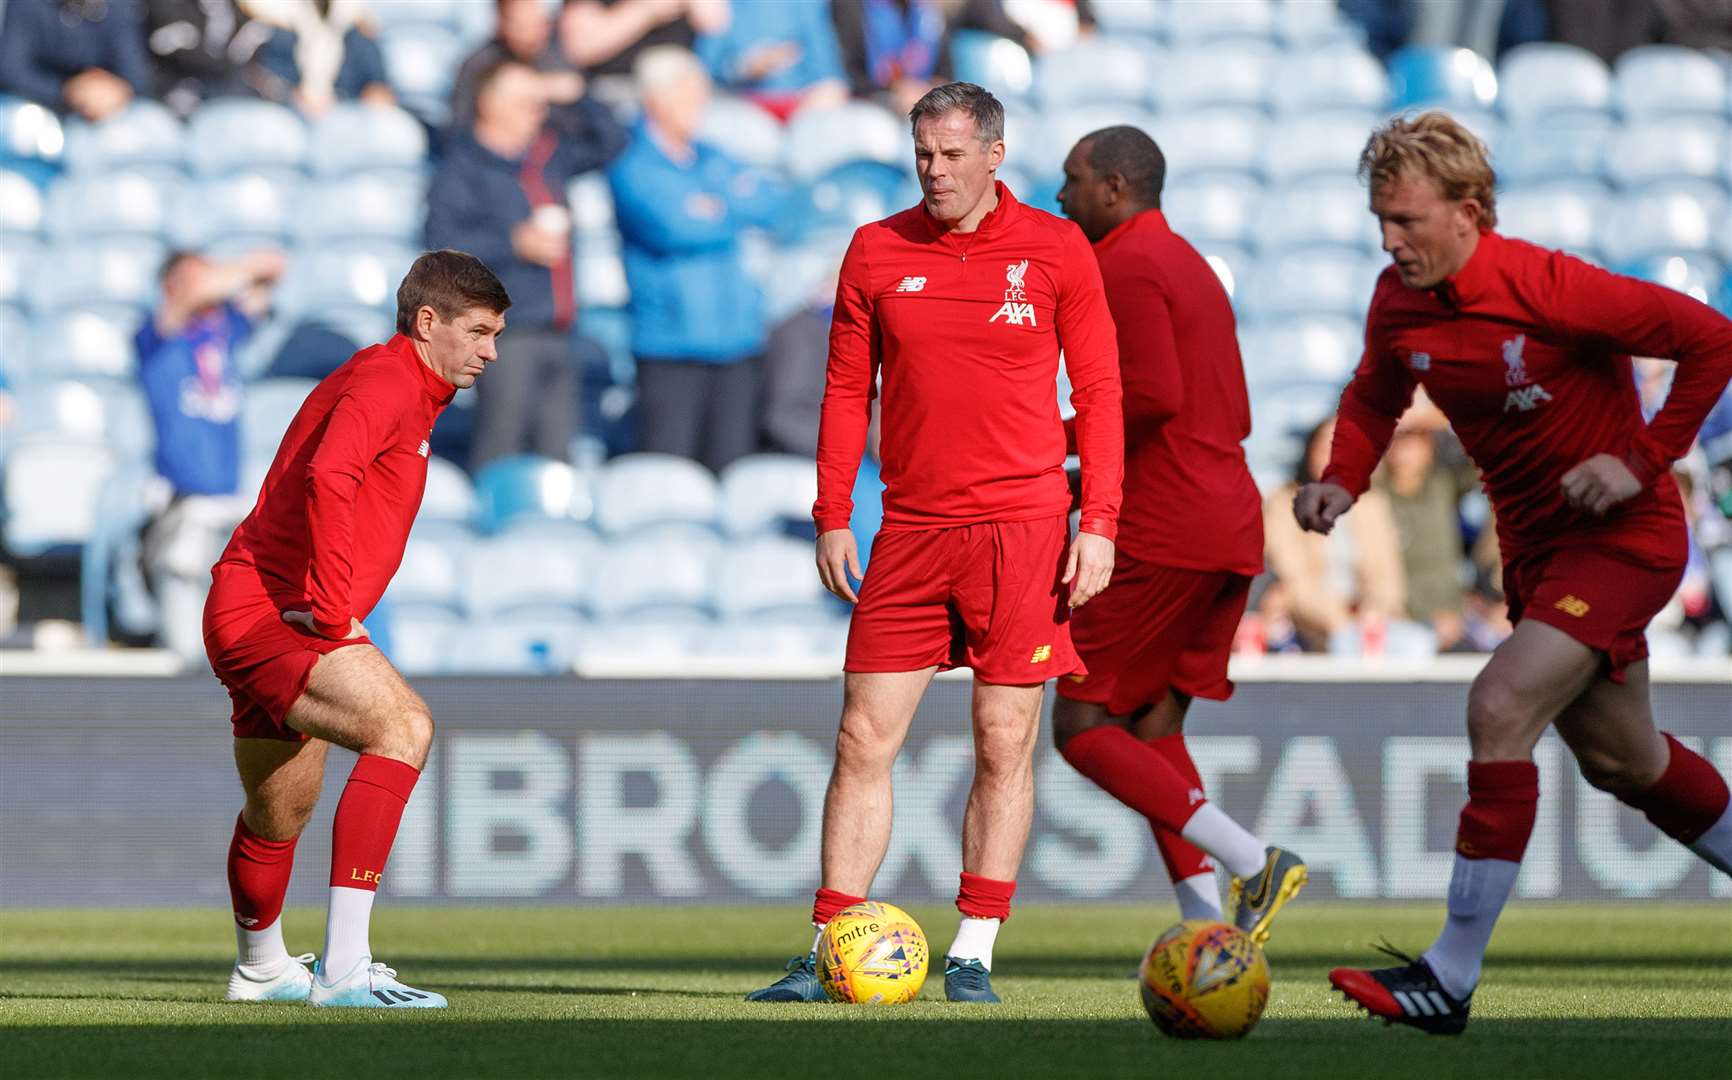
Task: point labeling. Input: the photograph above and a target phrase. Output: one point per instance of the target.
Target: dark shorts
(1154, 629)
(262, 661)
(1603, 601)
(986, 596)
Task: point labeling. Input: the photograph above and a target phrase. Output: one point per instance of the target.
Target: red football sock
(827, 902)
(1503, 798)
(258, 876)
(1133, 772)
(984, 898)
(1183, 858)
(367, 819)
(1689, 797)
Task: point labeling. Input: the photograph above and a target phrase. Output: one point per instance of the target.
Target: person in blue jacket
(697, 319)
(87, 56)
(782, 56)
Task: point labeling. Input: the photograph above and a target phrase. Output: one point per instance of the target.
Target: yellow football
(872, 954)
(1205, 980)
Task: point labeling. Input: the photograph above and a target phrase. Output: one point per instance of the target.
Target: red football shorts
(262, 661)
(1599, 599)
(1154, 629)
(987, 597)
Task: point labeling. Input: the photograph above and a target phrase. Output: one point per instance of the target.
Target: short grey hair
(976, 101)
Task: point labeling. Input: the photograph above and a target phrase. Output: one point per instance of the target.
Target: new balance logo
(911, 284)
(1042, 653)
(1525, 398)
(1422, 1003)
(1573, 606)
(1016, 307)
(247, 921)
(1419, 361)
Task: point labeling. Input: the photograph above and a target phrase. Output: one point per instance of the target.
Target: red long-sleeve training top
(1190, 501)
(1527, 351)
(966, 330)
(333, 516)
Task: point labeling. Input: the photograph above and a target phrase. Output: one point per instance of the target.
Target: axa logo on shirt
(911, 284)
(1524, 394)
(1016, 307)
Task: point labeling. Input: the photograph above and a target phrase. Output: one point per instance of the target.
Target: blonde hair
(1433, 144)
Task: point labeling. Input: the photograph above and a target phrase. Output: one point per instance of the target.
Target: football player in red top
(1527, 352)
(282, 628)
(960, 305)
(1190, 537)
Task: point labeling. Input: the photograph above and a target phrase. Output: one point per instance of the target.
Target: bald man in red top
(1190, 537)
(282, 628)
(960, 305)
(1527, 352)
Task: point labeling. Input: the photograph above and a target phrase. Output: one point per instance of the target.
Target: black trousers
(707, 412)
(528, 401)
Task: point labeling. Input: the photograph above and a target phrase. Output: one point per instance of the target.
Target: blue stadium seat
(1319, 348)
(1142, 20)
(384, 207)
(323, 277)
(999, 64)
(1210, 141)
(1547, 78)
(431, 571)
(1314, 281)
(742, 130)
(1213, 209)
(1665, 80)
(769, 577)
(52, 487)
(426, 639)
(1301, 26)
(128, 427)
(767, 493)
(805, 275)
(1563, 214)
(121, 271)
(1321, 210)
(647, 576)
(260, 207)
(1188, 25)
(1665, 219)
(821, 642)
(91, 342)
(421, 62)
(598, 275)
(64, 409)
(144, 134)
(522, 569)
(1200, 78)
(526, 486)
(846, 198)
(1441, 75)
(541, 642)
(635, 492)
(1324, 145)
(1339, 77)
(1564, 147)
(419, 14)
(102, 205)
(20, 258)
(267, 408)
(1095, 71)
(819, 140)
(29, 132)
(1696, 275)
(1042, 150)
(354, 137)
(14, 348)
(655, 641)
(233, 134)
(448, 496)
(1674, 148)
(20, 204)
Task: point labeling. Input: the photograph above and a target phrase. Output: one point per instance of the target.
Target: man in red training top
(961, 304)
(1527, 351)
(282, 628)
(1190, 537)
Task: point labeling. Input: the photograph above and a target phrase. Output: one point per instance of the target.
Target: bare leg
(876, 711)
(356, 699)
(1529, 681)
(1001, 802)
(1610, 729)
(281, 782)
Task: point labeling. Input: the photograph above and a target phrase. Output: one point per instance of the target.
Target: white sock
(817, 936)
(1212, 830)
(1715, 845)
(1199, 897)
(974, 940)
(261, 951)
(1478, 889)
(346, 930)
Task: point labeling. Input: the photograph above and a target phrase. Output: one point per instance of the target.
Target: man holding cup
(500, 194)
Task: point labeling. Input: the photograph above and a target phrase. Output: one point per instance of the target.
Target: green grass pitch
(1622, 990)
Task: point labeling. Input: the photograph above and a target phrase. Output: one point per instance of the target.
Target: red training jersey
(966, 329)
(333, 516)
(1527, 352)
(1189, 500)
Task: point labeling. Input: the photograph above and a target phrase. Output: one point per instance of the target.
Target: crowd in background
(619, 88)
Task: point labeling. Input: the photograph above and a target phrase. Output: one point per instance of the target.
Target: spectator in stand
(186, 364)
(605, 37)
(200, 49)
(322, 52)
(525, 34)
(83, 55)
(1036, 25)
(499, 194)
(891, 47)
(1339, 590)
(781, 56)
(795, 360)
(1424, 493)
(697, 319)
